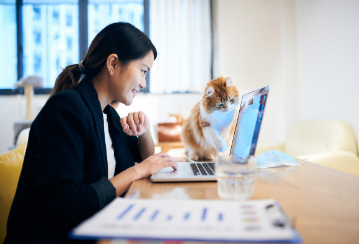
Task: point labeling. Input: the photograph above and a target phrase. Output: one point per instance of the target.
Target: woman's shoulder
(64, 103)
(64, 110)
(67, 96)
(69, 99)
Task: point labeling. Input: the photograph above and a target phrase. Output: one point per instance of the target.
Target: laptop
(244, 142)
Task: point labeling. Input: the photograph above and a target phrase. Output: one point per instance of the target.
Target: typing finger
(172, 164)
(168, 159)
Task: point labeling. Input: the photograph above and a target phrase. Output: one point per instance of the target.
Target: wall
(306, 50)
(257, 47)
(13, 109)
(328, 60)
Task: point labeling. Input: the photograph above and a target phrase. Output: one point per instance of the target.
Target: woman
(80, 154)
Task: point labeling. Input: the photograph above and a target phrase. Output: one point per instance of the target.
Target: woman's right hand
(155, 163)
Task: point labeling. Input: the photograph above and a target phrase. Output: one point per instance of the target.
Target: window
(50, 28)
(69, 43)
(49, 37)
(69, 19)
(57, 33)
(104, 12)
(8, 48)
(37, 13)
(55, 15)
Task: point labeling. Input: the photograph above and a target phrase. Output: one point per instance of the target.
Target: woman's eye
(144, 72)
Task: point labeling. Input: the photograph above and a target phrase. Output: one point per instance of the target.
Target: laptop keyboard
(202, 168)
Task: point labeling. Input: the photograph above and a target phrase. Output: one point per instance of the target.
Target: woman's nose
(143, 84)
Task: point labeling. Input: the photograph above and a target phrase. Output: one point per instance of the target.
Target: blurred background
(306, 50)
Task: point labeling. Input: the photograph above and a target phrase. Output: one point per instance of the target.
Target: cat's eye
(220, 104)
(231, 100)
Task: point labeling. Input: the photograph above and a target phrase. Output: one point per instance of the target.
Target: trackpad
(171, 170)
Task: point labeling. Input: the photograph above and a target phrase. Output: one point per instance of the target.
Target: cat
(210, 127)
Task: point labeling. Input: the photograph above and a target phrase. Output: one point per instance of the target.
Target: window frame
(83, 43)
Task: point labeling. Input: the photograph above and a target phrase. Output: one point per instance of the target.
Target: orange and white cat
(210, 127)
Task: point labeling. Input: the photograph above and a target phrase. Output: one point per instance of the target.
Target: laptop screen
(249, 122)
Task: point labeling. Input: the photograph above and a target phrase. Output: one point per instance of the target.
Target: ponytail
(68, 79)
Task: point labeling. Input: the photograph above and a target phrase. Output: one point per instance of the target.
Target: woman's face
(129, 79)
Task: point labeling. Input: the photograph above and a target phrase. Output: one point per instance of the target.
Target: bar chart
(201, 220)
(154, 213)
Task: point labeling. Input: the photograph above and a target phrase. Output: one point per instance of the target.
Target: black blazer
(64, 179)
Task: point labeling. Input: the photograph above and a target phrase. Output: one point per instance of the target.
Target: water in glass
(235, 179)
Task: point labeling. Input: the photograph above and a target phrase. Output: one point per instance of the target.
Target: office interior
(306, 51)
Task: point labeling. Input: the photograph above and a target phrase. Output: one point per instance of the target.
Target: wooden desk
(323, 202)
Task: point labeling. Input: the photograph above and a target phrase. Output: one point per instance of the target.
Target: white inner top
(111, 162)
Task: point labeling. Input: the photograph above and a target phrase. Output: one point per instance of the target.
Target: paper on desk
(201, 220)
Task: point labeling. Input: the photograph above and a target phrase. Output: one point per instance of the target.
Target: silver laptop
(244, 142)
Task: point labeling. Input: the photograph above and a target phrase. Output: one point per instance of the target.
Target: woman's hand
(155, 163)
(135, 124)
(151, 165)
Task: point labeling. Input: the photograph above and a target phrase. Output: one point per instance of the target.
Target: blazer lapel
(122, 154)
(89, 94)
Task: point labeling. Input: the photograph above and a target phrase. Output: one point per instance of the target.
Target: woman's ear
(112, 63)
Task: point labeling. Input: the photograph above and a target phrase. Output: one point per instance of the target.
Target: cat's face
(220, 95)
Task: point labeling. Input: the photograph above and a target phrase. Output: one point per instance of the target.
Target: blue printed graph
(137, 213)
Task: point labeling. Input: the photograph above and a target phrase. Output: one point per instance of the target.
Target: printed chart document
(189, 220)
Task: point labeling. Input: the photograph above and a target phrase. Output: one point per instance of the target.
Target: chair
(10, 168)
(326, 142)
(23, 138)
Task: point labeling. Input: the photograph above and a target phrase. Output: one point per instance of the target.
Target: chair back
(10, 168)
(318, 136)
(23, 138)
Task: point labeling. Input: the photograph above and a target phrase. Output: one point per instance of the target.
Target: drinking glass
(235, 176)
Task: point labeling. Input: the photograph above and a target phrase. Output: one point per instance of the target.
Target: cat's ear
(229, 82)
(209, 91)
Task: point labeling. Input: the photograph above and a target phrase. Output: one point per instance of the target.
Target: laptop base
(184, 173)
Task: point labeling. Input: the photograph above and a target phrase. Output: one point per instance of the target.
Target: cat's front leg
(192, 154)
(226, 152)
(215, 139)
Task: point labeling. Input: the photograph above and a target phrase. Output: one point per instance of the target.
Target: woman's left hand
(135, 124)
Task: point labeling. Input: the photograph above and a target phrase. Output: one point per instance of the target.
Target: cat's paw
(193, 157)
(209, 157)
(220, 145)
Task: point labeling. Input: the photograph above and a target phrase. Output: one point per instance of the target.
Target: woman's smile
(134, 92)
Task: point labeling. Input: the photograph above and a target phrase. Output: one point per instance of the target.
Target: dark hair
(123, 39)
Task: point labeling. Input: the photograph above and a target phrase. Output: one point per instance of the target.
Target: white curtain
(181, 33)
